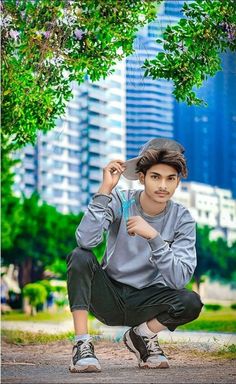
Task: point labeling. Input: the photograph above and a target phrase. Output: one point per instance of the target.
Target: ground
(49, 364)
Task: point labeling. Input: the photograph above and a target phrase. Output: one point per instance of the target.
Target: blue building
(149, 103)
(209, 133)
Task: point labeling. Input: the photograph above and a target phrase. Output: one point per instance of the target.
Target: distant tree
(215, 258)
(44, 235)
(225, 259)
(43, 239)
(205, 260)
(36, 293)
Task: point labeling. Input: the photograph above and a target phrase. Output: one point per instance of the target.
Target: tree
(44, 235)
(225, 258)
(47, 45)
(192, 47)
(36, 293)
(204, 255)
(43, 239)
(215, 258)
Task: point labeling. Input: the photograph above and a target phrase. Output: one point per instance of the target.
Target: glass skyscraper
(209, 133)
(149, 103)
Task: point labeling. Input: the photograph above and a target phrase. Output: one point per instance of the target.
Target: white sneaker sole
(85, 368)
(129, 344)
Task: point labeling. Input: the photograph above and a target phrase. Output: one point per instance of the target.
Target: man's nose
(163, 184)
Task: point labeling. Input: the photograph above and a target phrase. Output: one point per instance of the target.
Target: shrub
(213, 307)
(36, 293)
(233, 306)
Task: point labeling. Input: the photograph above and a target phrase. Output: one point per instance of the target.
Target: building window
(73, 181)
(57, 193)
(58, 150)
(73, 195)
(73, 167)
(58, 178)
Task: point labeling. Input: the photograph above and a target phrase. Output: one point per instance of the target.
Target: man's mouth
(161, 193)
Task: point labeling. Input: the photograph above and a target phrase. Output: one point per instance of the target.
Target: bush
(213, 307)
(233, 306)
(36, 293)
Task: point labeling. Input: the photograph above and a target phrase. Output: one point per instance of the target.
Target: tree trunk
(198, 282)
(25, 272)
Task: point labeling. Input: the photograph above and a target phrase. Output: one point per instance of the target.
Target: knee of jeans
(192, 304)
(79, 259)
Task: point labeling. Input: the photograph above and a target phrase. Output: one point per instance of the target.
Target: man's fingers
(114, 166)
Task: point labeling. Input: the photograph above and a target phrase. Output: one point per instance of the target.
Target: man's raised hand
(111, 175)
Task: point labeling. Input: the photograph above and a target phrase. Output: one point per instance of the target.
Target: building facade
(149, 103)
(210, 206)
(65, 166)
(209, 133)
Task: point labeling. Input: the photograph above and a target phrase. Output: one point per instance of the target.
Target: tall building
(65, 166)
(149, 103)
(209, 133)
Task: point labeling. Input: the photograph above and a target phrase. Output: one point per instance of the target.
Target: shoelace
(86, 349)
(153, 346)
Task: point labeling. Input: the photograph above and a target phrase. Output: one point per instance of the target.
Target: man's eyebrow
(158, 174)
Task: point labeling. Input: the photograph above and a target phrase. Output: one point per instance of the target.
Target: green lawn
(223, 320)
(40, 316)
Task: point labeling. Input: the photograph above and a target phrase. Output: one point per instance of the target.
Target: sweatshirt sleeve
(100, 214)
(178, 262)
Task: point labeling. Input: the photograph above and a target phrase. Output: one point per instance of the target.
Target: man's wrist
(153, 235)
(103, 190)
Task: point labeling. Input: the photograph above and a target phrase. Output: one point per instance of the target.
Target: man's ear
(178, 181)
(141, 177)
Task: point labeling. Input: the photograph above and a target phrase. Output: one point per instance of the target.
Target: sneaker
(147, 350)
(83, 357)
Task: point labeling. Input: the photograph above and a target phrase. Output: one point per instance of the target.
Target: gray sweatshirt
(168, 259)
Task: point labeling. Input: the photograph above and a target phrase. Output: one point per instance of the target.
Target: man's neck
(149, 207)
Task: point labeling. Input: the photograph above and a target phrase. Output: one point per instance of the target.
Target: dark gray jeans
(114, 303)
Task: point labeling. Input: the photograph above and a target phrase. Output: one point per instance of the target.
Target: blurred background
(112, 119)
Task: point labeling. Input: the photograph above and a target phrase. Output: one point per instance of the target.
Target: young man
(149, 259)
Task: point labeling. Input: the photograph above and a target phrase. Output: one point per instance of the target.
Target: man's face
(160, 182)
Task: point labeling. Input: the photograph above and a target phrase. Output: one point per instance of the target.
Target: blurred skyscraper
(65, 166)
(209, 133)
(149, 103)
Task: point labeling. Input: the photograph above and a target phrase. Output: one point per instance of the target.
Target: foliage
(225, 259)
(212, 307)
(215, 258)
(47, 45)
(36, 293)
(192, 47)
(39, 237)
(205, 261)
(39, 240)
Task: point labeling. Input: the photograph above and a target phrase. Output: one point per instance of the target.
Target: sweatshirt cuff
(101, 199)
(157, 243)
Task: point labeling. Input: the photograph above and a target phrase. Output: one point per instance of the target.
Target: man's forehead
(163, 169)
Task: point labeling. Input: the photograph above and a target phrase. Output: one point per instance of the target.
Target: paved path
(116, 333)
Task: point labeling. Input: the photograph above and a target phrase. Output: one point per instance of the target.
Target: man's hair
(152, 157)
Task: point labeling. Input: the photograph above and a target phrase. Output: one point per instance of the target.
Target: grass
(29, 338)
(40, 316)
(223, 320)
